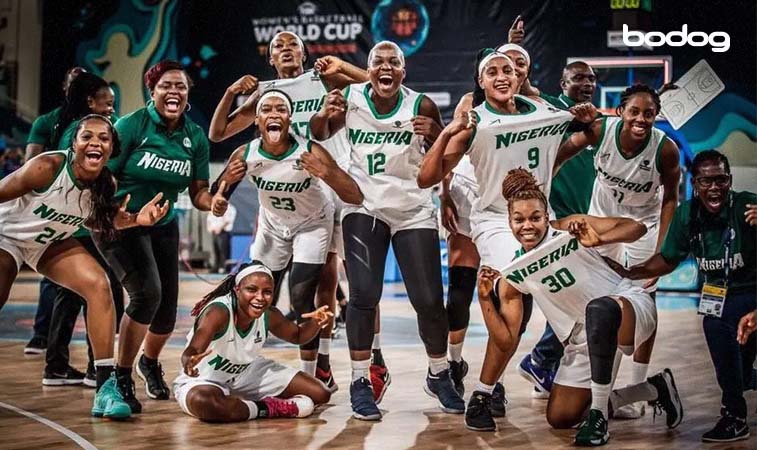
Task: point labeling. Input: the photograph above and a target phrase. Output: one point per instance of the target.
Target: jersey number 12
(376, 163)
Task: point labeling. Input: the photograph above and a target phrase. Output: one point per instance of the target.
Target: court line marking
(83, 443)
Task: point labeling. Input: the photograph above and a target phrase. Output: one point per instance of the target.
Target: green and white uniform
(235, 365)
(308, 92)
(155, 160)
(463, 190)
(296, 216)
(30, 223)
(43, 127)
(563, 277)
(629, 187)
(502, 142)
(385, 160)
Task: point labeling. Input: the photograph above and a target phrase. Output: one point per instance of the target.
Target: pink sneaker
(297, 406)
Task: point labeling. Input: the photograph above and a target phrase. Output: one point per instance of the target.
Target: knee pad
(603, 317)
(144, 302)
(303, 283)
(462, 282)
(528, 309)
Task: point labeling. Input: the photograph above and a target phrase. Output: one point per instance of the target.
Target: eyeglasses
(719, 180)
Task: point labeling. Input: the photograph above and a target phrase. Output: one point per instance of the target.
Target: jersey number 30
(561, 279)
(285, 203)
(376, 163)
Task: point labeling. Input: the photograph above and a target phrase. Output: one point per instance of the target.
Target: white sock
(456, 352)
(436, 365)
(633, 393)
(324, 346)
(361, 369)
(376, 342)
(253, 409)
(105, 362)
(487, 388)
(600, 394)
(638, 372)
(308, 366)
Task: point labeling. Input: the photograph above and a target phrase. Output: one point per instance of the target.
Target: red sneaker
(380, 380)
(279, 407)
(327, 378)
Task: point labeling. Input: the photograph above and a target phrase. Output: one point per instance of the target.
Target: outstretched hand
(321, 315)
(751, 214)
(190, 366)
(150, 213)
(747, 326)
(328, 65)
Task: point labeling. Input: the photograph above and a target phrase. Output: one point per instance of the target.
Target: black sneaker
(728, 429)
(458, 371)
(499, 401)
(152, 374)
(125, 386)
(90, 379)
(667, 398)
(36, 346)
(67, 377)
(441, 388)
(593, 431)
(478, 415)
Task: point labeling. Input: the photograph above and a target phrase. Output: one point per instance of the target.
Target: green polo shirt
(710, 254)
(572, 186)
(42, 129)
(155, 160)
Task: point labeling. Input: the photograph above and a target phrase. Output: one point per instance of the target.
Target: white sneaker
(630, 411)
(539, 395)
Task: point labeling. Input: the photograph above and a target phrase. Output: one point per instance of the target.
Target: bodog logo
(404, 22)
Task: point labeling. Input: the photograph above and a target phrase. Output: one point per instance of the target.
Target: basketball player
(307, 89)
(41, 205)
(511, 130)
(387, 125)
(296, 217)
(591, 308)
(225, 379)
(638, 171)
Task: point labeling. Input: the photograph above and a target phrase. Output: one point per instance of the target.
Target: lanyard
(727, 239)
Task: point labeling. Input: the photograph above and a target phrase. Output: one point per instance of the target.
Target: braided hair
(76, 105)
(520, 184)
(638, 88)
(103, 207)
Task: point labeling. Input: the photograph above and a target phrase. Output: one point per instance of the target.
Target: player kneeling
(225, 379)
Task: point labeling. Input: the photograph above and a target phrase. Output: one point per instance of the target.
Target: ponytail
(226, 286)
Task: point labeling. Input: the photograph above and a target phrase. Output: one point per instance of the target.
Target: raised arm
(428, 122)
(670, 167)
(584, 118)
(331, 118)
(447, 151)
(594, 231)
(285, 329)
(212, 321)
(503, 324)
(337, 73)
(320, 164)
(37, 173)
(224, 125)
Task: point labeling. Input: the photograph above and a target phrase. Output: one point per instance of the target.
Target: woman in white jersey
(307, 89)
(510, 131)
(42, 205)
(296, 215)
(387, 124)
(224, 377)
(638, 171)
(593, 310)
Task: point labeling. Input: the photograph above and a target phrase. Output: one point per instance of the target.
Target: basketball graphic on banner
(404, 22)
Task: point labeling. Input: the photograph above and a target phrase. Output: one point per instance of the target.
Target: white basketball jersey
(386, 154)
(39, 218)
(563, 276)
(234, 350)
(503, 142)
(627, 186)
(285, 190)
(465, 169)
(308, 92)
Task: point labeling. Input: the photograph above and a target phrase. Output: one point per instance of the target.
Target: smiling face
(712, 183)
(499, 80)
(386, 71)
(102, 102)
(286, 54)
(579, 83)
(273, 120)
(171, 94)
(521, 64)
(638, 115)
(92, 146)
(254, 295)
(529, 221)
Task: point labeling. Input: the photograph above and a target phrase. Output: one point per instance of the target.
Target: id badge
(712, 300)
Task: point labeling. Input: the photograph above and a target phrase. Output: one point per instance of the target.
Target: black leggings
(146, 262)
(366, 243)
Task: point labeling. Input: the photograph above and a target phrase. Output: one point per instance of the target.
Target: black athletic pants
(221, 250)
(146, 262)
(366, 243)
